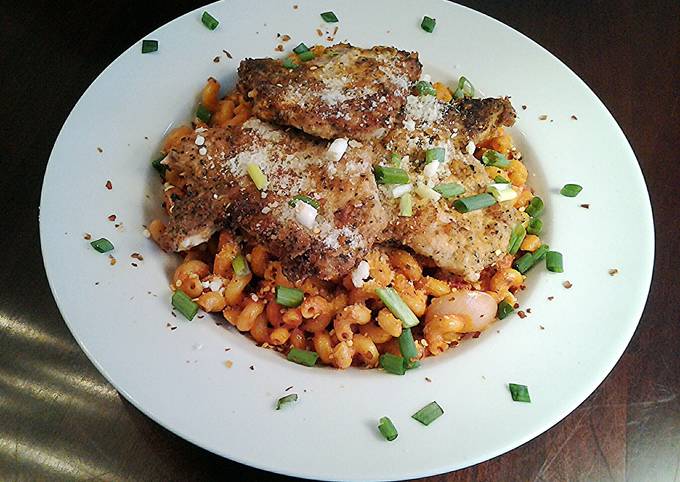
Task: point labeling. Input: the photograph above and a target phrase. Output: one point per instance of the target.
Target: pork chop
(345, 92)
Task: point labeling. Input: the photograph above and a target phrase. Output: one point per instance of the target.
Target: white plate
(179, 378)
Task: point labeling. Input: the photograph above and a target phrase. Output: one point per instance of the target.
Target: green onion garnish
(240, 266)
(289, 297)
(429, 413)
(149, 46)
(395, 159)
(472, 203)
(392, 364)
(516, 238)
(540, 252)
(209, 21)
(397, 306)
(494, 159)
(329, 17)
(535, 226)
(289, 64)
(571, 190)
(406, 205)
(504, 309)
(407, 345)
(390, 175)
(305, 56)
(464, 89)
(102, 245)
(302, 357)
(520, 393)
(428, 24)
(553, 261)
(161, 168)
(423, 87)
(283, 401)
(305, 199)
(524, 263)
(535, 207)
(450, 189)
(301, 48)
(435, 154)
(387, 429)
(184, 304)
(203, 113)
(257, 176)
(500, 180)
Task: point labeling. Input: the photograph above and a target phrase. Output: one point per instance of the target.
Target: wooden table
(59, 419)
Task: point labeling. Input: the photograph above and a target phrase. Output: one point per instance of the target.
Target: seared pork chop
(220, 193)
(345, 92)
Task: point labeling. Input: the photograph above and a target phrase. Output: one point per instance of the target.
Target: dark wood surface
(60, 420)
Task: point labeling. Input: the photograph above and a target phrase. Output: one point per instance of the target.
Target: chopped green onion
(387, 429)
(472, 203)
(501, 191)
(390, 175)
(302, 357)
(102, 245)
(571, 190)
(524, 263)
(288, 399)
(149, 46)
(465, 89)
(535, 207)
(553, 261)
(203, 113)
(184, 304)
(450, 189)
(540, 253)
(406, 205)
(289, 64)
(504, 309)
(426, 192)
(428, 24)
(409, 365)
(435, 154)
(519, 393)
(494, 159)
(423, 87)
(407, 345)
(209, 21)
(301, 48)
(240, 266)
(500, 180)
(516, 238)
(289, 297)
(392, 364)
(395, 159)
(329, 17)
(305, 199)
(161, 168)
(397, 306)
(429, 413)
(306, 56)
(535, 226)
(257, 176)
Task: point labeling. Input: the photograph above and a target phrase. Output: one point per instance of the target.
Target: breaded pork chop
(461, 243)
(221, 194)
(345, 92)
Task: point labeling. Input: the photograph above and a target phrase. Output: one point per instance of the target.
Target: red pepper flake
(515, 306)
(227, 54)
(550, 298)
(227, 349)
(427, 379)
(134, 264)
(541, 327)
(108, 185)
(87, 236)
(100, 150)
(567, 284)
(528, 310)
(117, 225)
(173, 328)
(285, 38)
(112, 260)
(524, 107)
(585, 206)
(319, 32)
(573, 117)
(329, 39)
(476, 334)
(173, 314)
(112, 217)
(613, 272)
(252, 367)
(279, 48)
(295, 7)
(335, 30)
(217, 59)
(542, 117)
(137, 256)
(521, 314)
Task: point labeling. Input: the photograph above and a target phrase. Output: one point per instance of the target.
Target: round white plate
(119, 314)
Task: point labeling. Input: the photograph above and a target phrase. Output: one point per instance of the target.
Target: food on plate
(342, 209)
